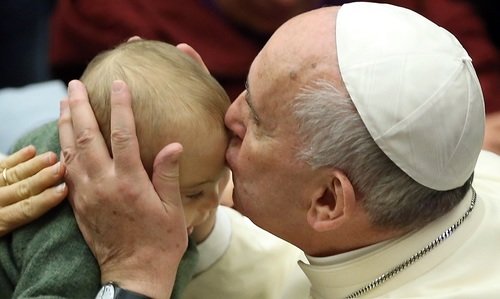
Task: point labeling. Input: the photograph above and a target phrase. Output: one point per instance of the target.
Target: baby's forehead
(203, 160)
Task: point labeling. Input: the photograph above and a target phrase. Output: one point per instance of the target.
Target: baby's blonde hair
(174, 99)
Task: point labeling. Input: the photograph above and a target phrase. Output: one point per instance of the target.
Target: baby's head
(174, 100)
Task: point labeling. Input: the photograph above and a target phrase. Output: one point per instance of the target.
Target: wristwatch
(111, 290)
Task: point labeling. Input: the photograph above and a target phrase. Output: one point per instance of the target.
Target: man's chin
(236, 203)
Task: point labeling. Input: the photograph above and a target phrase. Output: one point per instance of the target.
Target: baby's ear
(334, 206)
(189, 51)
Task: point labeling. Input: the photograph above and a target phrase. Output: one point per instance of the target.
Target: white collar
(216, 244)
(342, 278)
(343, 257)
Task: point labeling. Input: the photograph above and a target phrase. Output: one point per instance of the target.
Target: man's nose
(233, 119)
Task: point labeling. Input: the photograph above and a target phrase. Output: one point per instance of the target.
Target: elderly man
(356, 140)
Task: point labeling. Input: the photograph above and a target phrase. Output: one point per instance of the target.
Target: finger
(66, 134)
(10, 167)
(90, 145)
(166, 175)
(29, 209)
(31, 186)
(187, 49)
(21, 155)
(134, 38)
(124, 142)
(26, 169)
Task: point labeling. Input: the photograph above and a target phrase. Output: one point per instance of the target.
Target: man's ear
(335, 204)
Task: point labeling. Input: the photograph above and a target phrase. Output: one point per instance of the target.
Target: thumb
(134, 38)
(166, 175)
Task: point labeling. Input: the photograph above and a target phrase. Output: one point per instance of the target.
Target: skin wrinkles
(261, 161)
(268, 103)
(248, 99)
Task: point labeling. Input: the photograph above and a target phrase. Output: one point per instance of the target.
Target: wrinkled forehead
(304, 43)
(301, 51)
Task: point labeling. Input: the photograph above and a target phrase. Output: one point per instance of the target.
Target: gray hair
(333, 135)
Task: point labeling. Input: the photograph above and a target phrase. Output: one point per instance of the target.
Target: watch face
(106, 292)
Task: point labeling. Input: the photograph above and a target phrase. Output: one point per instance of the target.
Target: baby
(174, 100)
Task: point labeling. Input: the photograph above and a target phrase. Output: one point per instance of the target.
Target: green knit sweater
(49, 257)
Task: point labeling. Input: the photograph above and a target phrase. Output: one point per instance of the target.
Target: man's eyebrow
(248, 99)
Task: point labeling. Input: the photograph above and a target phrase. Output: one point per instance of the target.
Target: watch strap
(121, 293)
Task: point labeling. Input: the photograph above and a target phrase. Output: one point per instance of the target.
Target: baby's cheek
(188, 215)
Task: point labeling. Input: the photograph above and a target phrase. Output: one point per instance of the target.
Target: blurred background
(45, 40)
(49, 39)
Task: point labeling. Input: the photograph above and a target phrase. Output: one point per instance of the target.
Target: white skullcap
(415, 89)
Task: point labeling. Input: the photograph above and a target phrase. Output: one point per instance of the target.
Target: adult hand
(27, 187)
(189, 51)
(492, 133)
(137, 234)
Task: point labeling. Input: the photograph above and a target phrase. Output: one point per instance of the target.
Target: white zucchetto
(415, 89)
